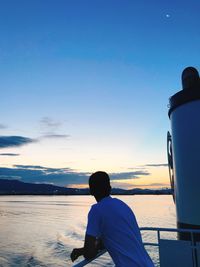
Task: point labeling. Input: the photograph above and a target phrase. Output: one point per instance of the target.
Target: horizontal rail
(196, 231)
(150, 244)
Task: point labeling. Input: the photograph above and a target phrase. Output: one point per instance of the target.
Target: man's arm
(90, 249)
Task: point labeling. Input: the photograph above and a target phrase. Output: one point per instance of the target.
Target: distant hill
(15, 187)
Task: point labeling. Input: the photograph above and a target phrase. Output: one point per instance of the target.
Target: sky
(85, 85)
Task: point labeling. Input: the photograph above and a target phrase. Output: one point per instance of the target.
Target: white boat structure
(180, 247)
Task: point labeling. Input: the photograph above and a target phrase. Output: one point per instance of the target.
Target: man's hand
(91, 247)
(99, 244)
(76, 253)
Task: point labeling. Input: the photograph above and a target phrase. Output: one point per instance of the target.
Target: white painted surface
(185, 125)
(175, 253)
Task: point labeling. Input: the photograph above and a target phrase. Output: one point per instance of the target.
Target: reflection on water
(42, 230)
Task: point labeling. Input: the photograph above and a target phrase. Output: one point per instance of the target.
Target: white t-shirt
(114, 222)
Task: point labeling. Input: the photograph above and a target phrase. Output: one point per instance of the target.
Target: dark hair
(99, 183)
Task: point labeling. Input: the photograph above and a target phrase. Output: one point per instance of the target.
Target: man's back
(114, 222)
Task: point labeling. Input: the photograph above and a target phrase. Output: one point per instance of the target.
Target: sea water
(43, 230)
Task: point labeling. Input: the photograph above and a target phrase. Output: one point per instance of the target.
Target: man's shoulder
(94, 207)
(111, 202)
(122, 206)
(120, 202)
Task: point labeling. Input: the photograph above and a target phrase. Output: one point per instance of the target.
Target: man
(112, 222)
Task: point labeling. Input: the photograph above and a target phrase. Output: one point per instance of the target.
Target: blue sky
(88, 82)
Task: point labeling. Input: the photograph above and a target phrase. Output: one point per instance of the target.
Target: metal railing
(192, 232)
(158, 230)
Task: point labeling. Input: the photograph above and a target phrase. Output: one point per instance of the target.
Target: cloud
(160, 184)
(34, 167)
(50, 127)
(40, 174)
(9, 177)
(157, 165)
(9, 154)
(2, 126)
(124, 185)
(128, 175)
(59, 176)
(14, 141)
(58, 136)
(46, 169)
(47, 122)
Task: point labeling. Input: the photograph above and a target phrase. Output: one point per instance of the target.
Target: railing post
(194, 251)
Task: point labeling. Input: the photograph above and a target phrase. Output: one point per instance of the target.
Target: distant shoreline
(145, 194)
(18, 188)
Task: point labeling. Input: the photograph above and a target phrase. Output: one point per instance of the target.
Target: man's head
(99, 183)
